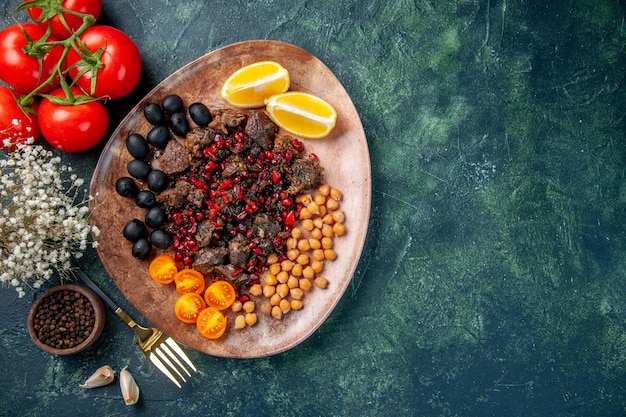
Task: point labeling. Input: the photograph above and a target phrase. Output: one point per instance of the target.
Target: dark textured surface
(493, 277)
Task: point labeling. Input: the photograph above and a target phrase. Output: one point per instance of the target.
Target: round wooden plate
(343, 154)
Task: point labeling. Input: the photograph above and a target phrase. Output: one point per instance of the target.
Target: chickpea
(272, 258)
(277, 313)
(292, 254)
(339, 216)
(318, 255)
(324, 190)
(291, 243)
(248, 306)
(307, 225)
(317, 266)
(286, 265)
(296, 271)
(274, 269)
(332, 204)
(328, 219)
(296, 233)
(327, 243)
(305, 214)
(320, 199)
(318, 222)
(339, 229)
(240, 322)
(303, 245)
(282, 290)
(330, 254)
(314, 244)
(282, 277)
(296, 305)
(321, 282)
(323, 211)
(308, 272)
(335, 194)
(305, 284)
(236, 306)
(296, 293)
(266, 308)
(271, 279)
(327, 230)
(285, 306)
(275, 299)
(292, 282)
(251, 319)
(305, 198)
(316, 233)
(269, 290)
(256, 290)
(303, 259)
(312, 208)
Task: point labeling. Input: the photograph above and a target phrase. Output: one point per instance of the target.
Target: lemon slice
(249, 86)
(302, 114)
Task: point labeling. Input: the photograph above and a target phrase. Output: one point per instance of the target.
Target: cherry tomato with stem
(188, 306)
(74, 123)
(211, 323)
(18, 124)
(63, 16)
(109, 65)
(27, 60)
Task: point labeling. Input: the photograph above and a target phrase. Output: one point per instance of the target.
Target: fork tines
(167, 357)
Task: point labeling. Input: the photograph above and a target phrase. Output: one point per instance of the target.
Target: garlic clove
(103, 376)
(130, 390)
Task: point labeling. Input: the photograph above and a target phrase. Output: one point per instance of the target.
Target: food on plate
(249, 86)
(211, 323)
(302, 114)
(220, 294)
(188, 307)
(162, 269)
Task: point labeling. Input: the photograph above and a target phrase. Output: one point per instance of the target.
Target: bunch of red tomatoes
(59, 69)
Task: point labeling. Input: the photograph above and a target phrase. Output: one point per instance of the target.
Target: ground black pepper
(64, 319)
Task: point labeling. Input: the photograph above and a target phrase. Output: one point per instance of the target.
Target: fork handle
(97, 290)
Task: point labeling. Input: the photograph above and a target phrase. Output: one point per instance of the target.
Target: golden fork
(160, 348)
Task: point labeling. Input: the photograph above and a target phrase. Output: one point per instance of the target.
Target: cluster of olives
(165, 117)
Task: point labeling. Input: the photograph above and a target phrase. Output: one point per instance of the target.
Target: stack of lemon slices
(267, 83)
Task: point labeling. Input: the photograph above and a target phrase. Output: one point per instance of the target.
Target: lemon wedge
(302, 114)
(250, 86)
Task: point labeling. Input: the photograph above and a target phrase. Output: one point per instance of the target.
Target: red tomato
(121, 63)
(221, 295)
(188, 307)
(72, 128)
(60, 25)
(189, 280)
(211, 323)
(21, 70)
(16, 126)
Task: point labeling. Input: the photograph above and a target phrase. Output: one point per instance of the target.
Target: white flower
(43, 224)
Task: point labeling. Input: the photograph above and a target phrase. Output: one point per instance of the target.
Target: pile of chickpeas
(308, 249)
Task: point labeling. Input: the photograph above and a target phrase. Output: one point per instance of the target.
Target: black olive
(154, 114)
(161, 239)
(172, 103)
(135, 230)
(200, 114)
(155, 217)
(142, 248)
(157, 180)
(138, 168)
(179, 124)
(158, 136)
(126, 187)
(137, 146)
(145, 199)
